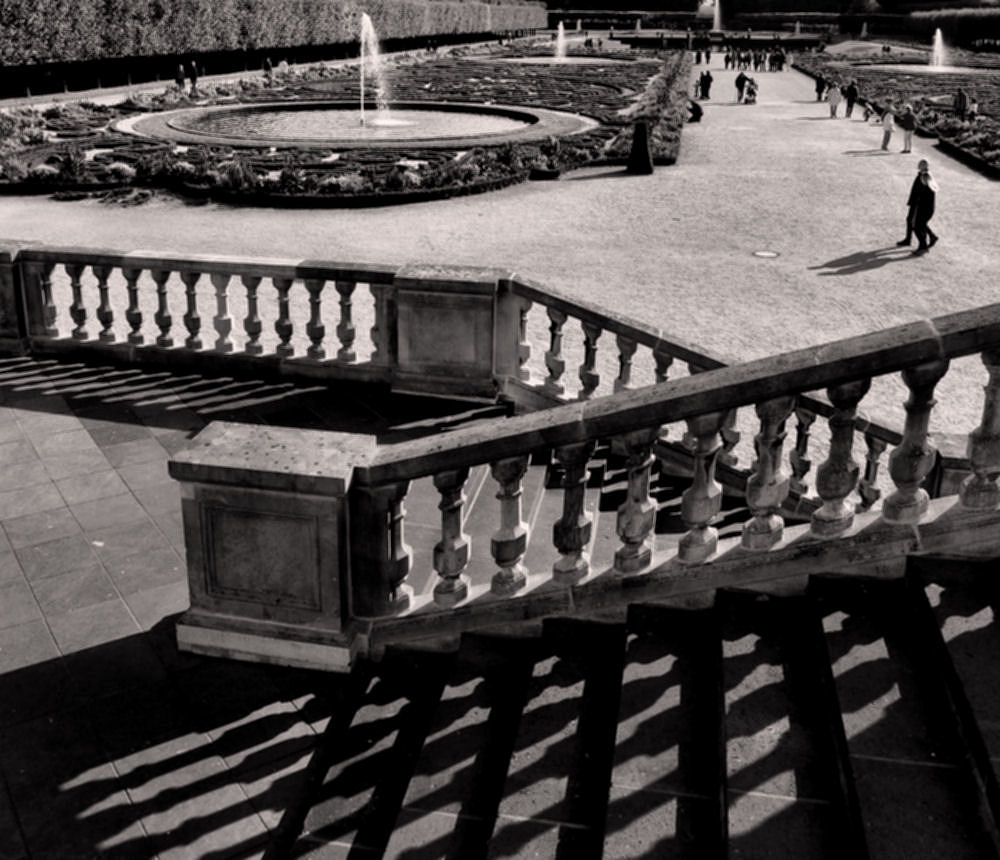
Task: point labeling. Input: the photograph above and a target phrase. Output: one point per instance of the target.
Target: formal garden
(902, 76)
(79, 149)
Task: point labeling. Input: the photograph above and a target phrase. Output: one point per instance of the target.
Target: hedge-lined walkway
(675, 249)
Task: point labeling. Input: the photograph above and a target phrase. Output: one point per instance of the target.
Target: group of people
(183, 73)
(833, 93)
(760, 60)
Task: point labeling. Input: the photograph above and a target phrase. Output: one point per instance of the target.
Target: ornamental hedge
(47, 31)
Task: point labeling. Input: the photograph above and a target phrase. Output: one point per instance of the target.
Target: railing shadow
(199, 758)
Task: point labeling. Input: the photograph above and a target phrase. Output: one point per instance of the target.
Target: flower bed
(71, 148)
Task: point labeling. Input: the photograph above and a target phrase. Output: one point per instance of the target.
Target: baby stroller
(750, 93)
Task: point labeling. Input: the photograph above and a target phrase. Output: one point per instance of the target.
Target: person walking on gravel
(921, 203)
(888, 125)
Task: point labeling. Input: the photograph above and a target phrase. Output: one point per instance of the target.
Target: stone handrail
(721, 389)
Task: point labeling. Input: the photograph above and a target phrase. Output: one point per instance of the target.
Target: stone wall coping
(284, 459)
(204, 263)
(809, 369)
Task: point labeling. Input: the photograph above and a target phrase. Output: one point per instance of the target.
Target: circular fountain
(345, 125)
(372, 123)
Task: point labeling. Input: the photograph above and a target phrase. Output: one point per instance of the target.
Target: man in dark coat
(921, 202)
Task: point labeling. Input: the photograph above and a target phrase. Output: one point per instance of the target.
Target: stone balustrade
(349, 585)
(379, 602)
(343, 321)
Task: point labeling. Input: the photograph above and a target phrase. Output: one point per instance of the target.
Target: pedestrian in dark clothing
(920, 210)
(705, 82)
(850, 97)
(820, 89)
(179, 76)
(193, 74)
(961, 103)
(741, 82)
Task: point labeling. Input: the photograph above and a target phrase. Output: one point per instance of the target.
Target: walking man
(850, 97)
(921, 202)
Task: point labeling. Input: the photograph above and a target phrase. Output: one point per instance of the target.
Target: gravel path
(675, 249)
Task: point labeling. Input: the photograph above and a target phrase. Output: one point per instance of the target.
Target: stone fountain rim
(541, 124)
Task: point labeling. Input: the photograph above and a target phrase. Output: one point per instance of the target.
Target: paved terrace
(110, 739)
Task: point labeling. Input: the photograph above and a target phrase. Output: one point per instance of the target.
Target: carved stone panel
(265, 557)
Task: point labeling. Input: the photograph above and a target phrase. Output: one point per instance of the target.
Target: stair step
(667, 782)
(555, 797)
(353, 806)
(784, 762)
(451, 802)
(917, 796)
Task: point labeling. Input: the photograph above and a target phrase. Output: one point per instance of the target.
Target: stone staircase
(854, 720)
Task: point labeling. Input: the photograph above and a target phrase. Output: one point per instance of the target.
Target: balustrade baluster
(383, 351)
(379, 550)
(164, 322)
(730, 438)
(345, 328)
(252, 324)
(554, 361)
(637, 514)
(105, 315)
(571, 533)
(867, 486)
(979, 491)
(132, 314)
(451, 554)
(702, 501)
(523, 346)
(510, 541)
(626, 350)
(77, 310)
(223, 322)
(192, 320)
(43, 271)
(838, 475)
(663, 361)
(283, 324)
(589, 377)
(798, 458)
(767, 487)
(314, 327)
(913, 458)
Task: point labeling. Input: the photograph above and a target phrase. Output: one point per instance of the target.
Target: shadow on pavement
(862, 261)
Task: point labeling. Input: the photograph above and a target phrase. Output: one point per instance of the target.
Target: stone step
(816, 727)
(784, 762)
(917, 795)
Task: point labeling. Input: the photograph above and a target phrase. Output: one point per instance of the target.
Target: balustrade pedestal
(265, 526)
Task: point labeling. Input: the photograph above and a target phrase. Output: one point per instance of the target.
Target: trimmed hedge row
(43, 31)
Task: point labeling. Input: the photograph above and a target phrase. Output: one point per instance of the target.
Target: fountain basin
(338, 124)
(919, 69)
(568, 60)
